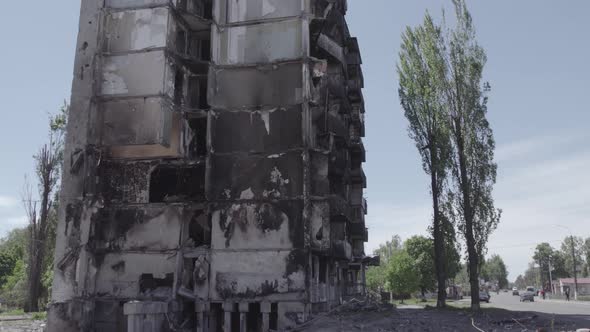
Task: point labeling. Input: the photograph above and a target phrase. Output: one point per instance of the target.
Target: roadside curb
(564, 301)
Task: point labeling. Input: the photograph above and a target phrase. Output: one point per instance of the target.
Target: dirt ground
(385, 318)
(24, 325)
(371, 317)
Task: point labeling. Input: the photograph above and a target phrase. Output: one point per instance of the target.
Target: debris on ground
(22, 325)
(366, 315)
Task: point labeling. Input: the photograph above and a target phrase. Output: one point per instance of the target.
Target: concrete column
(265, 309)
(228, 308)
(243, 307)
(364, 279)
(145, 316)
(201, 308)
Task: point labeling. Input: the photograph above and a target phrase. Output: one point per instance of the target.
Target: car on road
(532, 290)
(484, 296)
(527, 296)
(514, 291)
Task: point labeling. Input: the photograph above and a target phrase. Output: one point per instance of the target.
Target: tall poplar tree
(472, 159)
(420, 67)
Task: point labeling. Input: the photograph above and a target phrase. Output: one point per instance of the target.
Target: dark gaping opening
(202, 8)
(182, 5)
(199, 46)
(216, 318)
(323, 269)
(254, 318)
(197, 93)
(206, 50)
(337, 185)
(147, 282)
(198, 143)
(203, 104)
(200, 230)
(169, 184)
(178, 87)
(274, 316)
(235, 319)
(188, 313)
(181, 41)
(208, 9)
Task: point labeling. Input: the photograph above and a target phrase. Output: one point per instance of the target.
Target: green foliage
(7, 264)
(14, 290)
(389, 249)
(445, 101)
(578, 250)
(421, 250)
(495, 270)
(452, 249)
(403, 275)
(586, 250)
(15, 243)
(550, 259)
(520, 283)
(462, 277)
(420, 69)
(13, 249)
(377, 278)
(13, 312)
(58, 122)
(377, 275)
(39, 315)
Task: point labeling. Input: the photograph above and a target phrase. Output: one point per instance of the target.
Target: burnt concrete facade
(213, 172)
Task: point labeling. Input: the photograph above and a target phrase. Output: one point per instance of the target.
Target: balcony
(193, 51)
(372, 261)
(357, 148)
(357, 176)
(353, 54)
(339, 209)
(358, 254)
(339, 162)
(341, 249)
(358, 231)
(197, 14)
(356, 80)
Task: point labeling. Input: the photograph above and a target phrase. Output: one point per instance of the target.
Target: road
(509, 302)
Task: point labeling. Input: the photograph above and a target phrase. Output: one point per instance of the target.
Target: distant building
(564, 283)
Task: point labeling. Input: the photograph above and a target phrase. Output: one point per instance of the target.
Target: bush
(403, 276)
(14, 291)
(584, 298)
(39, 316)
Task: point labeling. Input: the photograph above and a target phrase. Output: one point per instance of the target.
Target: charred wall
(213, 166)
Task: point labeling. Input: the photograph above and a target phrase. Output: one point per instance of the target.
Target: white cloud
(533, 146)
(386, 220)
(8, 202)
(9, 223)
(542, 182)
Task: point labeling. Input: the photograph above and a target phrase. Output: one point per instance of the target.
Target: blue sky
(538, 66)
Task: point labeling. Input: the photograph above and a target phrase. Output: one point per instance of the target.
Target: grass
(417, 301)
(13, 312)
(39, 316)
(19, 312)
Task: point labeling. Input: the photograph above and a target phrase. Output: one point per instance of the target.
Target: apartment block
(213, 173)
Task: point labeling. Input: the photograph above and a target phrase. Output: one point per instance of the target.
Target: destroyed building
(213, 173)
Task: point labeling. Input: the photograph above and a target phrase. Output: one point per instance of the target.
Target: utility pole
(551, 278)
(575, 268)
